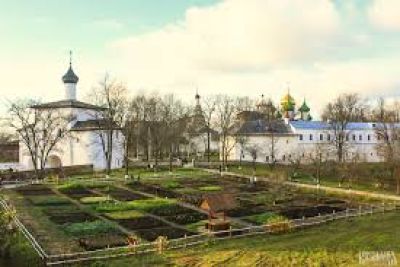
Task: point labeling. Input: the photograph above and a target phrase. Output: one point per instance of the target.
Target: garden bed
(34, 190)
(144, 222)
(169, 232)
(102, 241)
(300, 212)
(124, 195)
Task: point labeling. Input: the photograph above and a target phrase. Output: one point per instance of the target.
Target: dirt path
(310, 186)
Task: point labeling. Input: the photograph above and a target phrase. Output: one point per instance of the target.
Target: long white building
(293, 135)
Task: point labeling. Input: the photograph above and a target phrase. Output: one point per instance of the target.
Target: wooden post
(185, 242)
(359, 209)
(230, 231)
(347, 212)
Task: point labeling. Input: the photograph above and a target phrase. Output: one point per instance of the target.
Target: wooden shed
(218, 204)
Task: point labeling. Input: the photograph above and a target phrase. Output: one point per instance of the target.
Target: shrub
(90, 228)
(210, 188)
(267, 218)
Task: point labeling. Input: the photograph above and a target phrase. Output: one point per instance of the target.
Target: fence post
(230, 231)
(359, 210)
(383, 207)
(347, 213)
(185, 242)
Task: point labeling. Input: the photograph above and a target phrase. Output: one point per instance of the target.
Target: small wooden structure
(217, 205)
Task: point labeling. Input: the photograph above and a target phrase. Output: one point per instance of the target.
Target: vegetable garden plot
(102, 241)
(169, 232)
(144, 222)
(124, 195)
(187, 218)
(75, 217)
(34, 190)
(79, 193)
(300, 212)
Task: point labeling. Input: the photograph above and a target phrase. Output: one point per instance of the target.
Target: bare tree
(40, 130)
(318, 157)
(174, 116)
(339, 113)
(254, 151)
(209, 107)
(226, 109)
(112, 96)
(388, 134)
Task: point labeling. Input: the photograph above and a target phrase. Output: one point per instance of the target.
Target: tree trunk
(127, 155)
(208, 145)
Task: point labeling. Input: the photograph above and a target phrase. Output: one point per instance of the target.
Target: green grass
(126, 214)
(113, 206)
(210, 188)
(266, 218)
(90, 228)
(69, 186)
(141, 205)
(93, 200)
(171, 184)
(330, 245)
(150, 204)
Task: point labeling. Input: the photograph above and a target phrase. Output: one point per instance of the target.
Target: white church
(83, 145)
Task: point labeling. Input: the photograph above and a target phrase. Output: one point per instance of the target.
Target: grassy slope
(334, 244)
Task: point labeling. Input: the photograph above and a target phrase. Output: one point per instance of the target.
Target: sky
(317, 48)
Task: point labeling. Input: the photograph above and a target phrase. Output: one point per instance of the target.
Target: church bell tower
(70, 81)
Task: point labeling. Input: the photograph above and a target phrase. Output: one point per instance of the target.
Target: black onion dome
(70, 76)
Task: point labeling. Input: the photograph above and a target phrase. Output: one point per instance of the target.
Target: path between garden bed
(83, 208)
(186, 205)
(311, 186)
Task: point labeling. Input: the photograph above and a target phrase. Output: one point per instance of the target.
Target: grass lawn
(280, 173)
(334, 244)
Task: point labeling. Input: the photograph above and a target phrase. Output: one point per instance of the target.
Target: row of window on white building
(328, 137)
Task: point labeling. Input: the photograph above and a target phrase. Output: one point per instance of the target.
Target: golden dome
(287, 99)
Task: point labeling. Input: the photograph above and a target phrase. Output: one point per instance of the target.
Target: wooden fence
(187, 241)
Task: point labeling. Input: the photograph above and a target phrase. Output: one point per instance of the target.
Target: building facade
(85, 140)
(286, 134)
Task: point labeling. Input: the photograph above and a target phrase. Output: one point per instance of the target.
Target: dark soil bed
(188, 218)
(155, 190)
(102, 241)
(34, 190)
(80, 193)
(169, 232)
(76, 217)
(170, 210)
(144, 222)
(125, 195)
(299, 212)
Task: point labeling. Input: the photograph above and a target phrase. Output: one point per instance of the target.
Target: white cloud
(236, 35)
(385, 14)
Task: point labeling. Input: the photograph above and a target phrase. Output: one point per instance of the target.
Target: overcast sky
(320, 48)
